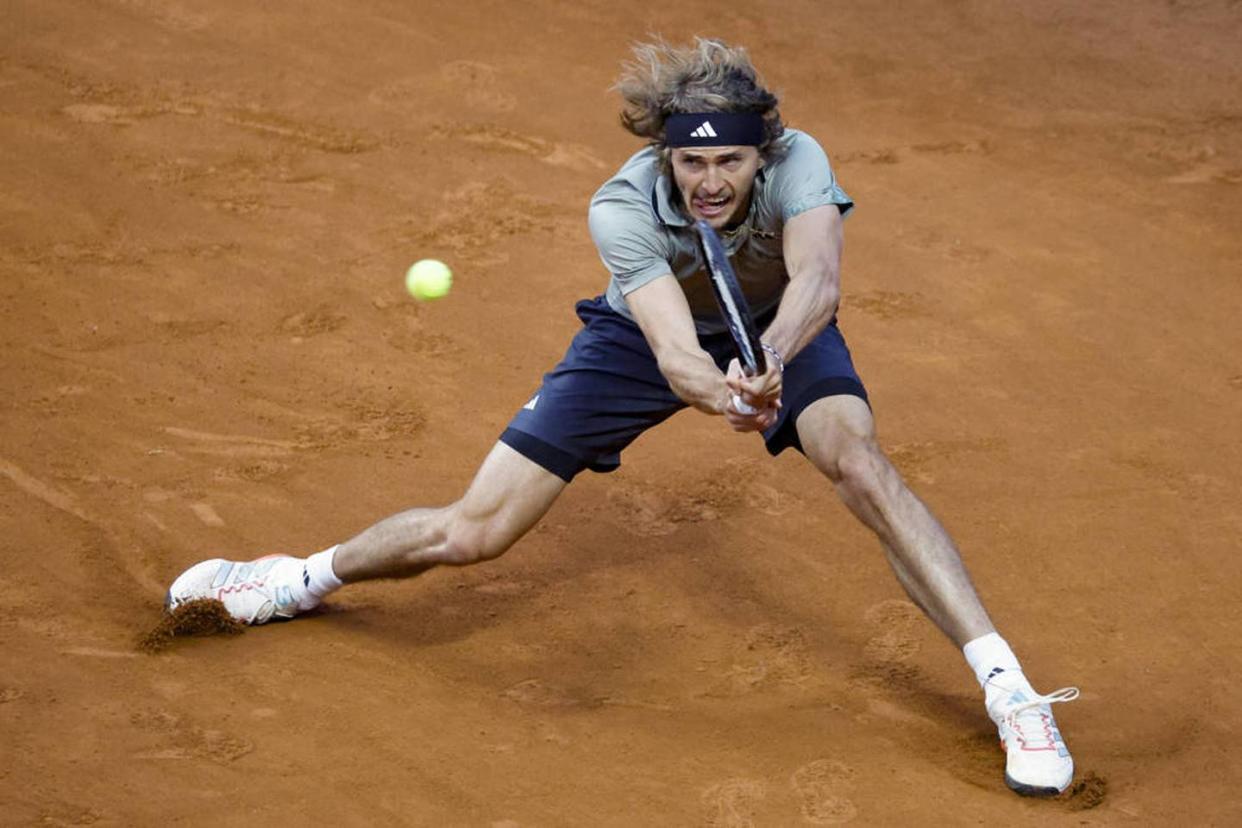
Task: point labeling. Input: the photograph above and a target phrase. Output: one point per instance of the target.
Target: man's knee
(838, 436)
(508, 495)
(862, 468)
(471, 541)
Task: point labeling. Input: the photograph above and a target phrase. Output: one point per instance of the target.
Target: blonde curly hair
(706, 76)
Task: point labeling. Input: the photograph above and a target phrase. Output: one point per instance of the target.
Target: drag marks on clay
(206, 513)
(111, 104)
(98, 114)
(821, 787)
(231, 445)
(732, 803)
(310, 323)
(366, 422)
(242, 183)
(299, 133)
(880, 156)
(125, 115)
(1191, 151)
(36, 488)
(360, 421)
(98, 652)
(179, 738)
(102, 545)
(888, 305)
(495, 138)
(181, 328)
(977, 147)
(535, 693)
(1208, 173)
(255, 472)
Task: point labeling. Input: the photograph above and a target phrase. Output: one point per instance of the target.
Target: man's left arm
(812, 247)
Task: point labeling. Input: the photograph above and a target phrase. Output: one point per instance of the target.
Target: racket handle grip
(742, 407)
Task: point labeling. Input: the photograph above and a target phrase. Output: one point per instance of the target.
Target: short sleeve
(629, 242)
(804, 179)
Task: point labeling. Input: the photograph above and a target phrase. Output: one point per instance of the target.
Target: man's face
(715, 182)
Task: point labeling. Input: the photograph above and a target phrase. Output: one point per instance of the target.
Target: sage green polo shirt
(642, 232)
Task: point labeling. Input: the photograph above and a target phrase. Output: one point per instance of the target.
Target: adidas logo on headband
(704, 131)
(713, 129)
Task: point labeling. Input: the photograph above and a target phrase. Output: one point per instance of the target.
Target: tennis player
(653, 343)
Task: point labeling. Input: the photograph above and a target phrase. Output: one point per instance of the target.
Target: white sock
(319, 577)
(988, 655)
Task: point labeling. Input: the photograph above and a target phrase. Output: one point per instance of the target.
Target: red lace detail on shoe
(1047, 737)
(242, 587)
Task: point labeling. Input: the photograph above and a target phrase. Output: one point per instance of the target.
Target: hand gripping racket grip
(742, 407)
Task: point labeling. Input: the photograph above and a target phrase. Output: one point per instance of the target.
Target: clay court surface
(205, 212)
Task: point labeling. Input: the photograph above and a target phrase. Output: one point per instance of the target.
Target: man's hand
(761, 392)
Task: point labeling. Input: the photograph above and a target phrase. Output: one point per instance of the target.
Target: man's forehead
(711, 152)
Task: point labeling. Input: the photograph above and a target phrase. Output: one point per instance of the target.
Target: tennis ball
(428, 279)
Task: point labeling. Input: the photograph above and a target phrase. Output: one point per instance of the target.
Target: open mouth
(711, 207)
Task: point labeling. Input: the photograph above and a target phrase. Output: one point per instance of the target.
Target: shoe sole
(1022, 789)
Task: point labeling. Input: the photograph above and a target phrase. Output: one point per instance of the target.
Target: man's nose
(712, 180)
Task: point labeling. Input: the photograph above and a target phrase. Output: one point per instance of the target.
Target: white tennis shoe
(1037, 761)
(253, 592)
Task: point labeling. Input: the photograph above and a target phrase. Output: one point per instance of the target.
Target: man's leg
(838, 436)
(509, 494)
(507, 497)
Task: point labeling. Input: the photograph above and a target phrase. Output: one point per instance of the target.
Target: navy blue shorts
(608, 390)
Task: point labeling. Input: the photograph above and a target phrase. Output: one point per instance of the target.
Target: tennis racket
(733, 307)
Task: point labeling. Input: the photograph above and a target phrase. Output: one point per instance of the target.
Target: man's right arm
(661, 310)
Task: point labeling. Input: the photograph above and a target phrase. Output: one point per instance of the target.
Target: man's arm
(812, 247)
(661, 310)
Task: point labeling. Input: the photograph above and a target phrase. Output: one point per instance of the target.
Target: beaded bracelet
(780, 361)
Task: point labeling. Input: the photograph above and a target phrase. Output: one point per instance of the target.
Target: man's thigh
(606, 391)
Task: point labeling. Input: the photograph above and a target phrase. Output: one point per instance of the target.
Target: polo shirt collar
(666, 203)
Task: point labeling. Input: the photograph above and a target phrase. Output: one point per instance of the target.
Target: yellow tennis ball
(428, 279)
